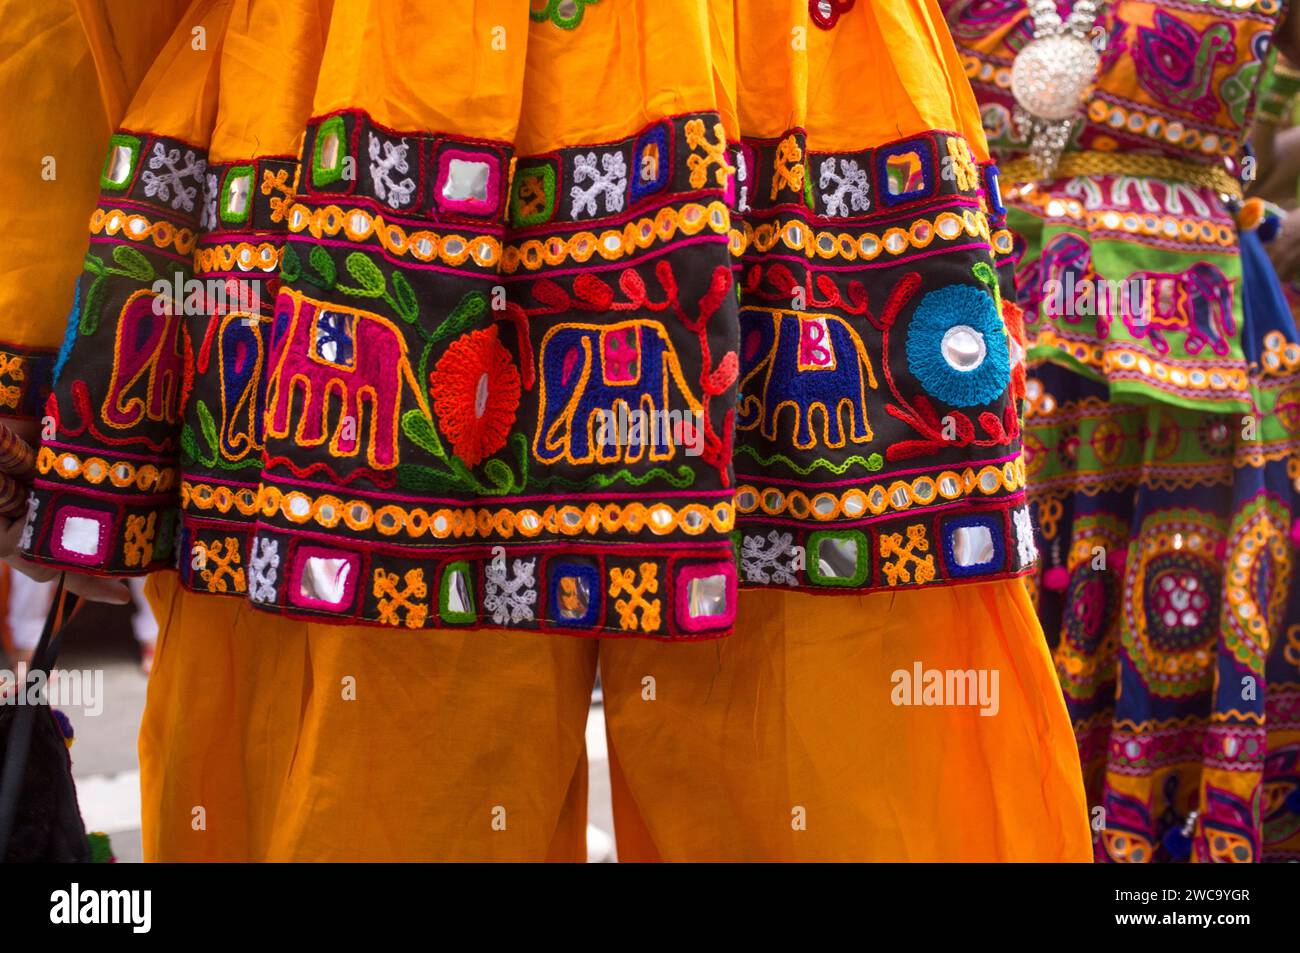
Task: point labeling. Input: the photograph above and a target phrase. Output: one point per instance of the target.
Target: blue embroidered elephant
(608, 394)
(814, 364)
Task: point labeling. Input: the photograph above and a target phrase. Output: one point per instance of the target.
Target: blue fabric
(1262, 301)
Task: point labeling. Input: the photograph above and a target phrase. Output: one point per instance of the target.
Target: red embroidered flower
(475, 390)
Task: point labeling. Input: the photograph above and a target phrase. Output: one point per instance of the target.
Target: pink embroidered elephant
(147, 365)
(1196, 302)
(339, 360)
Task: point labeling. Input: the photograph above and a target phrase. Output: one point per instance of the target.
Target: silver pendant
(1050, 77)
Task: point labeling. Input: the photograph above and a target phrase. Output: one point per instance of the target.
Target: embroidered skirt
(1169, 593)
(574, 320)
(1162, 433)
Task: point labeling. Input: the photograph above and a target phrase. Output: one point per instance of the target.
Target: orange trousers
(270, 739)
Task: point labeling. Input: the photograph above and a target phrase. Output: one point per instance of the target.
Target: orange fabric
(248, 717)
(67, 70)
(426, 65)
(812, 78)
(793, 716)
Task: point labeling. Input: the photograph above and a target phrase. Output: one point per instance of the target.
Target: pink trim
(881, 217)
(615, 547)
(999, 503)
(486, 206)
(893, 262)
(115, 240)
(100, 555)
(692, 571)
(664, 197)
(299, 559)
(719, 495)
(136, 499)
(492, 228)
(136, 205)
(636, 258)
(101, 452)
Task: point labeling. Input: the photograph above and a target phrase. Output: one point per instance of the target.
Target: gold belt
(1021, 171)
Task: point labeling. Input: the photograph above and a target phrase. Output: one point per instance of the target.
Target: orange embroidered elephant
(326, 351)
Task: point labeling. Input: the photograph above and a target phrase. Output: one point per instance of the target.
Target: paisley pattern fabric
(585, 356)
(1162, 436)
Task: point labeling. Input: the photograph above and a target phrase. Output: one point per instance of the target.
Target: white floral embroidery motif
(742, 183)
(612, 183)
(850, 187)
(172, 179)
(1025, 545)
(510, 600)
(768, 563)
(387, 159)
(25, 540)
(263, 566)
(208, 220)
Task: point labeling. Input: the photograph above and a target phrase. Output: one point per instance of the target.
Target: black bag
(39, 817)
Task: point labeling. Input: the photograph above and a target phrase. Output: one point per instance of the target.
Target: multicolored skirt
(577, 320)
(1168, 588)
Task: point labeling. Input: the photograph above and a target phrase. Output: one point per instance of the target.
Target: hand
(94, 588)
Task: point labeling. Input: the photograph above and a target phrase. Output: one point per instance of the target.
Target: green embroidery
(323, 265)
(873, 462)
(191, 453)
(119, 141)
(370, 281)
(566, 14)
(1237, 90)
(989, 277)
(131, 264)
(454, 616)
(532, 195)
(290, 265)
(499, 477)
(861, 554)
(244, 172)
(331, 128)
(684, 477)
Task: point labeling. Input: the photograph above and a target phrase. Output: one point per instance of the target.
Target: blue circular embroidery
(957, 346)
